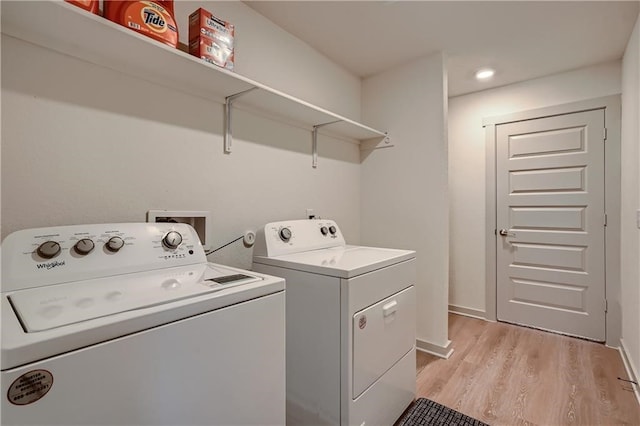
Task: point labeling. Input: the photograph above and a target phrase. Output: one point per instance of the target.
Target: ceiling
(519, 39)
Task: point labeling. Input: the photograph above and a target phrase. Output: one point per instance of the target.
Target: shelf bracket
(314, 142)
(228, 132)
(376, 143)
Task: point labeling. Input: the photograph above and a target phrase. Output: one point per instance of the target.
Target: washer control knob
(172, 240)
(48, 249)
(324, 230)
(285, 234)
(333, 230)
(84, 246)
(114, 244)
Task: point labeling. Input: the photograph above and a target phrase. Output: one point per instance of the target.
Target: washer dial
(48, 249)
(84, 246)
(114, 244)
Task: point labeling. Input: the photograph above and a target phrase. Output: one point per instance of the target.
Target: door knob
(505, 233)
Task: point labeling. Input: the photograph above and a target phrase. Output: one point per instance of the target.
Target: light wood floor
(508, 375)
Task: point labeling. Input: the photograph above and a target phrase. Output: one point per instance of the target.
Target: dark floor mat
(428, 413)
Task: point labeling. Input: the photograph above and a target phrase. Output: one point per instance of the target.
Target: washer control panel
(286, 237)
(43, 256)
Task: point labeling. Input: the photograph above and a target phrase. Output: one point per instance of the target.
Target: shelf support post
(228, 131)
(314, 142)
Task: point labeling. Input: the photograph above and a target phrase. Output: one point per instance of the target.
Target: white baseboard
(631, 370)
(433, 349)
(468, 312)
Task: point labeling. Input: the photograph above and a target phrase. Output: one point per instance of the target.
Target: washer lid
(48, 307)
(342, 262)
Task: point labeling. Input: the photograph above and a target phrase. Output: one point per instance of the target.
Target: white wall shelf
(69, 30)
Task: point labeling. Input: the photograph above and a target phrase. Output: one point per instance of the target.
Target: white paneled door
(550, 219)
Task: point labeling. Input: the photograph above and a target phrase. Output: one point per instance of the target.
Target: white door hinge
(604, 136)
(606, 305)
(605, 219)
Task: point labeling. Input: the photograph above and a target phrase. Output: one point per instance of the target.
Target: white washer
(124, 324)
(350, 324)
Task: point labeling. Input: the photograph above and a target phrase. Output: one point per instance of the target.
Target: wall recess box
(200, 220)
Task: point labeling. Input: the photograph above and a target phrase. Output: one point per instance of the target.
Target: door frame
(612, 108)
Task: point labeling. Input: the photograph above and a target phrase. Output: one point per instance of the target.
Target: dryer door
(382, 334)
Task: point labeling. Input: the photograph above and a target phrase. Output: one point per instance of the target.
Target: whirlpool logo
(50, 265)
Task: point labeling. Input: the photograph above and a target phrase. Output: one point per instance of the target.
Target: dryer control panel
(44, 256)
(294, 236)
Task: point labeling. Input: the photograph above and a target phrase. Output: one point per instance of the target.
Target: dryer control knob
(333, 230)
(114, 244)
(48, 249)
(285, 234)
(84, 246)
(172, 240)
(324, 230)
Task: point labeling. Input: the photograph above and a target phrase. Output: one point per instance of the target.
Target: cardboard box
(211, 38)
(212, 51)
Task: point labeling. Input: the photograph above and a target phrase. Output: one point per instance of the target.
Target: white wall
(467, 163)
(270, 55)
(630, 236)
(84, 144)
(404, 189)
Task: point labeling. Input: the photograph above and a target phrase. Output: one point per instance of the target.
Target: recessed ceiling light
(485, 74)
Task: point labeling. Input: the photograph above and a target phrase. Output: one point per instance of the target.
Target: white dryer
(125, 324)
(350, 321)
